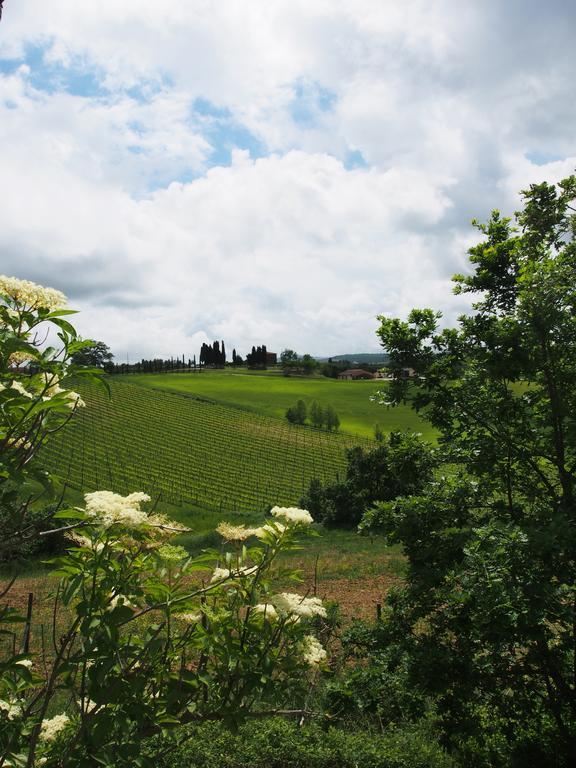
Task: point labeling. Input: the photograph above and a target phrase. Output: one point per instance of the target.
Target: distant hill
(369, 358)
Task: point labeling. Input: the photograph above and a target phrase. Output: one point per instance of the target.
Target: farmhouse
(355, 373)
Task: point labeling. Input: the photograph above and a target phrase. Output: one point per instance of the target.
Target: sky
(270, 171)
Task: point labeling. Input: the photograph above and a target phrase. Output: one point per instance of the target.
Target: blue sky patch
(224, 133)
(539, 157)
(310, 101)
(354, 159)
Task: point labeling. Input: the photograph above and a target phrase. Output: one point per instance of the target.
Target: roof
(355, 372)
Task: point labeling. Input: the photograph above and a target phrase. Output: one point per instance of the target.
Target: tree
(331, 420)
(400, 465)
(288, 361)
(308, 365)
(296, 414)
(97, 355)
(316, 415)
(487, 616)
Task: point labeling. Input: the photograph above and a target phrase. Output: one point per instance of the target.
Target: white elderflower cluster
(313, 652)
(18, 387)
(293, 515)
(290, 604)
(235, 532)
(31, 295)
(12, 710)
(224, 573)
(52, 387)
(17, 358)
(267, 609)
(109, 508)
(52, 727)
(190, 618)
(273, 528)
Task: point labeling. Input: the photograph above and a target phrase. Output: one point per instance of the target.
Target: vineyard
(184, 449)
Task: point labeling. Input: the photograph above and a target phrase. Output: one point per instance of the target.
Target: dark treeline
(158, 365)
(258, 357)
(213, 354)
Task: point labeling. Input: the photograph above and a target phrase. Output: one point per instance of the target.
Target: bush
(400, 465)
(277, 743)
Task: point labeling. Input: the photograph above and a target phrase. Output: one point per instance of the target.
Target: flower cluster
(267, 609)
(190, 618)
(290, 604)
(224, 573)
(236, 532)
(108, 508)
(312, 650)
(17, 358)
(16, 385)
(52, 387)
(52, 727)
(30, 295)
(12, 710)
(273, 528)
(293, 515)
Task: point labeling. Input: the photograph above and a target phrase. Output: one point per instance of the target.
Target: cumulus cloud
(269, 172)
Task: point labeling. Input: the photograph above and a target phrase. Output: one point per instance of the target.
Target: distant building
(355, 373)
(271, 358)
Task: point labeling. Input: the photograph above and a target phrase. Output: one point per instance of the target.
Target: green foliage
(331, 420)
(148, 647)
(400, 465)
(487, 616)
(292, 364)
(33, 404)
(22, 527)
(277, 743)
(375, 680)
(97, 355)
(316, 415)
(296, 414)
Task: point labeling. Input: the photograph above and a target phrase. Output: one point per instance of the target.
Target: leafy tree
(296, 414)
(35, 402)
(316, 415)
(401, 465)
(487, 616)
(97, 355)
(331, 420)
(308, 365)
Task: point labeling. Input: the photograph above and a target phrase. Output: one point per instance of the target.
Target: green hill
(190, 450)
(270, 393)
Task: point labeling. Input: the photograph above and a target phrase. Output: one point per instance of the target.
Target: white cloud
(445, 104)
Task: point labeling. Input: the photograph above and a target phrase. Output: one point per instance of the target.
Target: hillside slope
(186, 449)
(270, 394)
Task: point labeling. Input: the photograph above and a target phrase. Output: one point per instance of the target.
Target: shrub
(277, 743)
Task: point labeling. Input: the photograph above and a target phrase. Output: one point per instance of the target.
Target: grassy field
(192, 452)
(354, 571)
(270, 393)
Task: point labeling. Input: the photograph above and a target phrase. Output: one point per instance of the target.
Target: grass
(270, 393)
(355, 571)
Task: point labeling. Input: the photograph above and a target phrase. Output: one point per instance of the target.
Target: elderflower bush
(157, 638)
(34, 398)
